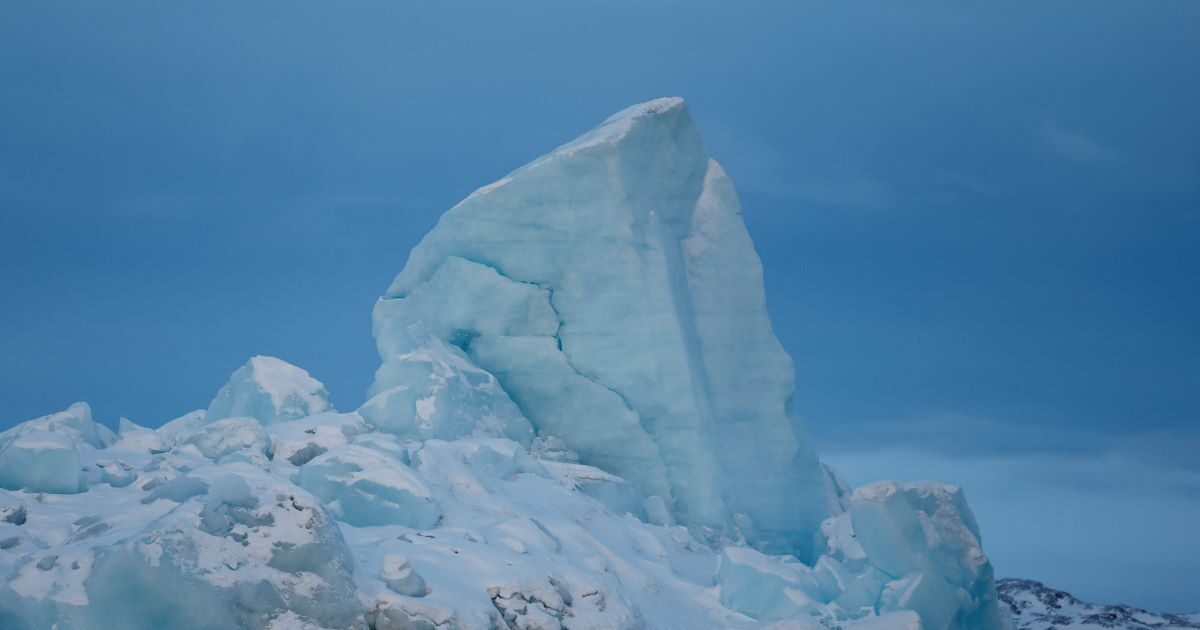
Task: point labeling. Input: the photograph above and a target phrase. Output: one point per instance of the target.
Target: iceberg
(612, 289)
(581, 419)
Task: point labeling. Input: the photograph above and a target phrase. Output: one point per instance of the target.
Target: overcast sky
(980, 224)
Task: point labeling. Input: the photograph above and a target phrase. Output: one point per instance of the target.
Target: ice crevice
(557, 335)
(558, 340)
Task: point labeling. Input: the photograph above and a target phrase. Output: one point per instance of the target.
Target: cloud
(953, 435)
(267, 206)
(1077, 147)
(159, 205)
(819, 172)
(845, 187)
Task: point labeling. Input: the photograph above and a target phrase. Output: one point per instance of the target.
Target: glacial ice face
(612, 290)
(40, 461)
(269, 390)
(42, 455)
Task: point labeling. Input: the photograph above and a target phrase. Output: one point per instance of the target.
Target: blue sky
(980, 224)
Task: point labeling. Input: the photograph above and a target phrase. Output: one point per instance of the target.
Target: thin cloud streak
(1078, 147)
(964, 436)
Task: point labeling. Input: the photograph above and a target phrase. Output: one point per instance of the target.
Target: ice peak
(277, 375)
(653, 107)
(270, 390)
(612, 290)
(669, 114)
(619, 126)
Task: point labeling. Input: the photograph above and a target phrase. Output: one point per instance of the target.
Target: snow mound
(365, 487)
(270, 390)
(231, 437)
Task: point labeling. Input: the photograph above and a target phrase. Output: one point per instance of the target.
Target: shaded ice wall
(612, 290)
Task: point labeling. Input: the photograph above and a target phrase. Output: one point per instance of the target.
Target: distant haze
(979, 224)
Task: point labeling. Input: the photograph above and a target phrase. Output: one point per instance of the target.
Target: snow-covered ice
(365, 487)
(582, 419)
(269, 390)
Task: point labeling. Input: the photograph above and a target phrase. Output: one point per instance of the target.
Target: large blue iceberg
(612, 289)
(582, 419)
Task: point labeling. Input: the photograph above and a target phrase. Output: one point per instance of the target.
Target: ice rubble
(581, 420)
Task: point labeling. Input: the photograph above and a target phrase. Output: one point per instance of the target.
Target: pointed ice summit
(582, 420)
(271, 391)
(612, 289)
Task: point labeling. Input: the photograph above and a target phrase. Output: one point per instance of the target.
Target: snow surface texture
(1037, 607)
(581, 421)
